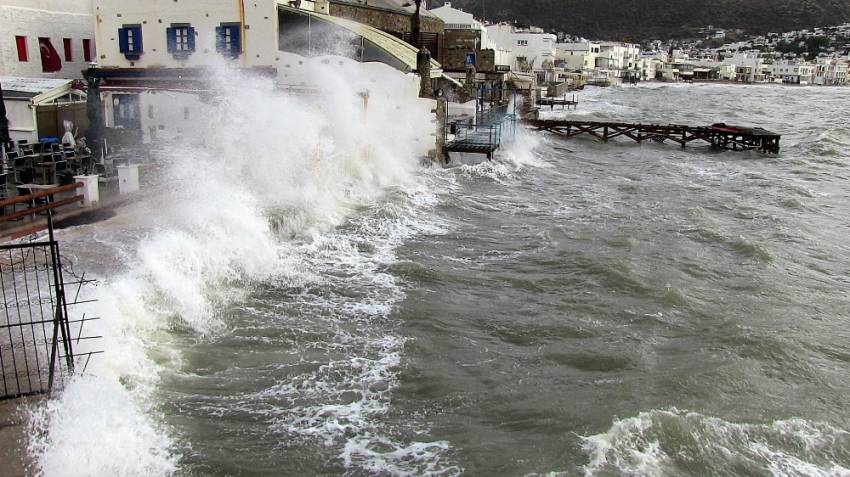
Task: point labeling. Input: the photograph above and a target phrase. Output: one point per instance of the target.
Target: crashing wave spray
(259, 171)
(675, 442)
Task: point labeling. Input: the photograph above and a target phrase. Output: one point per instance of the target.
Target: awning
(38, 90)
(395, 47)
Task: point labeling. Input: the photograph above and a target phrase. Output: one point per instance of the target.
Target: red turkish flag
(50, 61)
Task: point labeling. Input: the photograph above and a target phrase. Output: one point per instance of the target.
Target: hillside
(636, 20)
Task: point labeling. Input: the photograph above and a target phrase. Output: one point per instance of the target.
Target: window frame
(69, 50)
(21, 43)
(131, 41)
(233, 30)
(180, 39)
(87, 51)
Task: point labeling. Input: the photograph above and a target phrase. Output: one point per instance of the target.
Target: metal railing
(36, 336)
(482, 135)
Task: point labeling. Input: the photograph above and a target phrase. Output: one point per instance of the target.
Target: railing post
(61, 314)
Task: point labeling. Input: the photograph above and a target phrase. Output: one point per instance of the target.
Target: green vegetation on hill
(637, 20)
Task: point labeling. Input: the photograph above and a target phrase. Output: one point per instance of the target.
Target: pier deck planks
(720, 136)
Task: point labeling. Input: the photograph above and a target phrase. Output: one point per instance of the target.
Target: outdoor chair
(23, 170)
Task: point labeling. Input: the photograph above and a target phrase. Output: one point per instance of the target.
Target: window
(522, 42)
(87, 50)
(130, 41)
(21, 41)
(181, 40)
(227, 39)
(67, 44)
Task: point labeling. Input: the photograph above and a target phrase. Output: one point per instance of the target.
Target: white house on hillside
(46, 38)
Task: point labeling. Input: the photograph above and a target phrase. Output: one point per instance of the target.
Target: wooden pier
(719, 136)
(564, 103)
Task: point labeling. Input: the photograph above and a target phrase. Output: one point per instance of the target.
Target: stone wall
(386, 20)
(455, 60)
(457, 43)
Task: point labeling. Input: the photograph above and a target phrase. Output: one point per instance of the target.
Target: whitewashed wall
(54, 19)
(538, 47)
(259, 36)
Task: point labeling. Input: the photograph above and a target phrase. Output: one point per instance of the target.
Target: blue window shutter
(219, 39)
(171, 36)
(191, 39)
(236, 40)
(122, 40)
(139, 48)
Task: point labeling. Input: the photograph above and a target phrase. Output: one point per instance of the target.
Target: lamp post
(416, 25)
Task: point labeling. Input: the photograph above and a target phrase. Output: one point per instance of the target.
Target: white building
(532, 48)
(456, 19)
(619, 60)
(792, 73)
(149, 51)
(748, 67)
(651, 64)
(578, 57)
(169, 34)
(459, 20)
(46, 38)
(830, 72)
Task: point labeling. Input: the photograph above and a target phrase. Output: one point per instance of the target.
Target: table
(44, 167)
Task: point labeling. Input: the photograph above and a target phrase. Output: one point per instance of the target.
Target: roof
(397, 48)
(37, 90)
(454, 16)
(31, 86)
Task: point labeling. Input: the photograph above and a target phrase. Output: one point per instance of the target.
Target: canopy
(402, 51)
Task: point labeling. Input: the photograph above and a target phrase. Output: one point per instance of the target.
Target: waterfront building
(578, 56)
(46, 38)
(792, 72)
(748, 67)
(618, 61)
(830, 72)
(533, 49)
(45, 45)
(466, 43)
(150, 47)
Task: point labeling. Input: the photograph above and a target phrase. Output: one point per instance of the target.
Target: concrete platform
(14, 460)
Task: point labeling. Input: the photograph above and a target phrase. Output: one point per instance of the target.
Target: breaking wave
(676, 442)
(254, 201)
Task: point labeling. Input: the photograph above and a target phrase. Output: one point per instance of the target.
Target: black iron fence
(37, 337)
